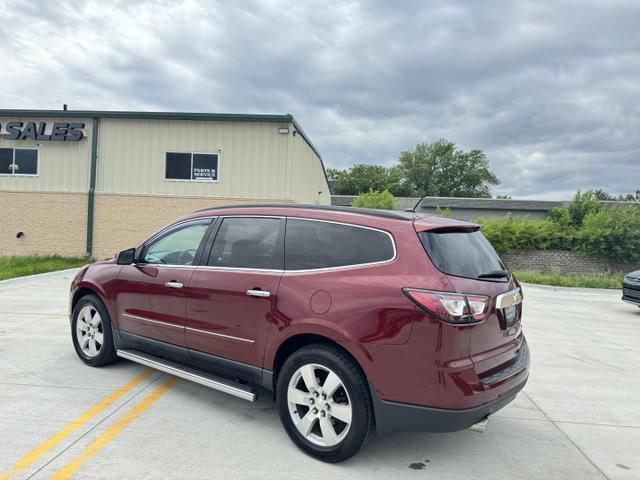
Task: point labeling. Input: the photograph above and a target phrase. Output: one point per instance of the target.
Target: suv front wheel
(91, 332)
(323, 403)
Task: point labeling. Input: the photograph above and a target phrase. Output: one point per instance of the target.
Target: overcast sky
(549, 90)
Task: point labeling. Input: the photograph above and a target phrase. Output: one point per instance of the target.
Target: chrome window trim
(165, 265)
(158, 322)
(222, 336)
(282, 271)
(308, 270)
(239, 269)
(279, 217)
(510, 298)
(342, 267)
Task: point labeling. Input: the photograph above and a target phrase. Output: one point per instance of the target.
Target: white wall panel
(62, 166)
(307, 176)
(256, 161)
(253, 157)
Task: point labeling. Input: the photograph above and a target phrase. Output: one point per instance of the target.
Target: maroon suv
(357, 320)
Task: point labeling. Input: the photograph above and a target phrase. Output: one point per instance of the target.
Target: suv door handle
(258, 293)
(173, 284)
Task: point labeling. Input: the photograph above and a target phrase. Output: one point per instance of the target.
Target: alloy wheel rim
(89, 331)
(319, 405)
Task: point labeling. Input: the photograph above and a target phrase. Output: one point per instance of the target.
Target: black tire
(354, 384)
(106, 353)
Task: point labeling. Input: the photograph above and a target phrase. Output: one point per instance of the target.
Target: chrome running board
(191, 374)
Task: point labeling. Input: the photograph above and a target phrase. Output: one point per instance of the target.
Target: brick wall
(50, 222)
(56, 223)
(122, 221)
(562, 260)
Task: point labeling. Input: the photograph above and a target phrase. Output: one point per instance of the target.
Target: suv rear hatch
(461, 252)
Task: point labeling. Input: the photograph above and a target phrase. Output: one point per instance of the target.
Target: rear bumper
(401, 417)
(394, 416)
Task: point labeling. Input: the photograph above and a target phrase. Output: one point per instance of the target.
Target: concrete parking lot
(578, 417)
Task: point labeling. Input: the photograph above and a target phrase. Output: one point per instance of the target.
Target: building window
(191, 166)
(18, 161)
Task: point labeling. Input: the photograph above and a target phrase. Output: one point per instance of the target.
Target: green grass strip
(12, 267)
(587, 280)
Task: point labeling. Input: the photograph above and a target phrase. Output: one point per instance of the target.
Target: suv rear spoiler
(433, 223)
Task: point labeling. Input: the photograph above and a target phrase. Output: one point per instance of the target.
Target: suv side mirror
(126, 257)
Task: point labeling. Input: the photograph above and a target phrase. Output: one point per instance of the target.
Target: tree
(437, 169)
(440, 169)
(600, 194)
(382, 200)
(630, 197)
(362, 178)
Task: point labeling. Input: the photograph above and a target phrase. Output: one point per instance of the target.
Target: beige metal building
(92, 183)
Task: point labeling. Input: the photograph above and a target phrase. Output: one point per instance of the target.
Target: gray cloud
(549, 90)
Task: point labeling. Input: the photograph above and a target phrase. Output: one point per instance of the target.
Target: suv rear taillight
(450, 307)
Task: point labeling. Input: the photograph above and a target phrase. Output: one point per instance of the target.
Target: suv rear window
(461, 253)
(311, 244)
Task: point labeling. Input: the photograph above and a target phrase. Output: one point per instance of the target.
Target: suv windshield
(463, 254)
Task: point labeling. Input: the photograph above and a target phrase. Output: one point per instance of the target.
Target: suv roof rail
(397, 215)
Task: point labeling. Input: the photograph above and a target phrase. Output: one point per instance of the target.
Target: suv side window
(177, 246)
(248, 242)
(311, 244)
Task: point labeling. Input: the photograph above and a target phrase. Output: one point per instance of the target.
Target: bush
(561, 217)
(522, 233)
(613, 233)
(571, 219)
(381, 200)
(607, 232)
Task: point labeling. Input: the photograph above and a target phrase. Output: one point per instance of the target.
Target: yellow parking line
(74, 465)
(48, 444)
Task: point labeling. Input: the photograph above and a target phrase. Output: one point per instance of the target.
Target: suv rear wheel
(324, 403)
(91, 332)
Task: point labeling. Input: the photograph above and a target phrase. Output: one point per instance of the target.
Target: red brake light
(450, 307)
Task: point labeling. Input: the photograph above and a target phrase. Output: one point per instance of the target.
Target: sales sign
(40, 131)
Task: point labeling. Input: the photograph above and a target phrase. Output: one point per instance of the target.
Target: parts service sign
(40, 131)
